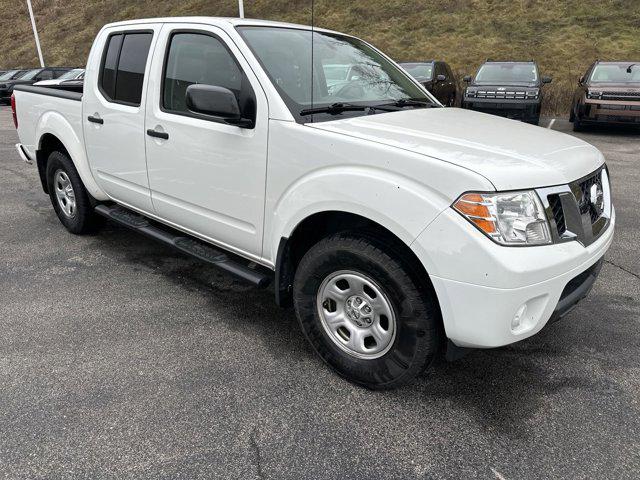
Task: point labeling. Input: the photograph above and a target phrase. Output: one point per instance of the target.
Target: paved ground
(121, 359)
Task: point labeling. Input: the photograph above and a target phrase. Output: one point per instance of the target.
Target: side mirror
(217, 102)
(467, 79)
(440, 78)
(546, 79)
(581, 80)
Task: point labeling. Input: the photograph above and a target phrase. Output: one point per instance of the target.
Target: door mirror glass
(467, 78)
(441, 78)
(581, 80)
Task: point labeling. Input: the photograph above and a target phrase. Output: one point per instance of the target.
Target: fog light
(518, 319)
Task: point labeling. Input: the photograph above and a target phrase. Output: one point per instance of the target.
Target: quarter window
(196, 58)
(123, 68)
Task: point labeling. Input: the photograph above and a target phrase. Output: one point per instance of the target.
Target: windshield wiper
(410, 102)
(336, 108)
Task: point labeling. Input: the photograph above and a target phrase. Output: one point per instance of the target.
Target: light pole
(241, 8)
(35, 33)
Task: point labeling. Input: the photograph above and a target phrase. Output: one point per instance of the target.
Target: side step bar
(185, 244)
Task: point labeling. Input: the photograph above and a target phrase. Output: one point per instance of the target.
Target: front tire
(365, 312)
(69, 197)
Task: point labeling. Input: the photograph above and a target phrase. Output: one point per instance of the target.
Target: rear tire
(69, 198)
(381, 326)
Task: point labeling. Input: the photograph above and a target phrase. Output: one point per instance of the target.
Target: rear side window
(123, 66)
(198, 58)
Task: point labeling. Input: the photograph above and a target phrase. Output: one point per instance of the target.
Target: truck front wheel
(364, 314)
(69, 198)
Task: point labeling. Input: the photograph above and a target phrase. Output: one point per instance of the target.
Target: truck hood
(510, 154)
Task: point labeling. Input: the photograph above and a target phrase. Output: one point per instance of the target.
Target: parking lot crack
(623, 269)
(255, 449)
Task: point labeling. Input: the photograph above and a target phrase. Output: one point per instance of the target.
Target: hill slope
(564, 36)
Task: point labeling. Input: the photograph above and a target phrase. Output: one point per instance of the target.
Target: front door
(206, 176)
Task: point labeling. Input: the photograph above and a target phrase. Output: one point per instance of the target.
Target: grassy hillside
(564, 36)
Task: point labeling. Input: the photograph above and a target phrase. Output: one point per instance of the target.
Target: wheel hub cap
(356, 314)
(64, 193)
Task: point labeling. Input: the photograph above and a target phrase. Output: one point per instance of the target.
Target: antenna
(312, 59)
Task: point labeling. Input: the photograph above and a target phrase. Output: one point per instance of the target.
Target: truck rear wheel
(69, 198)
(364, 314)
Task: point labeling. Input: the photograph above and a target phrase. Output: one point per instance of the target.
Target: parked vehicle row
(392, 225)
(27, 77)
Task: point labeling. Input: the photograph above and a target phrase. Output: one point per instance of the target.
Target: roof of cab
(217, 21)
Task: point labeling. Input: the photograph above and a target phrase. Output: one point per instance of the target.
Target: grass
(564, 36)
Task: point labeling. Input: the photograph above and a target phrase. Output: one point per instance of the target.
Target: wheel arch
(319, 225)
(55, 133)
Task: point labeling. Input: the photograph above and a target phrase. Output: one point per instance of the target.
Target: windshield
(419, 70)
(346, 70)
(31, 74)
(71, 74)
(507, 73)
(8, 75)
(616, 73)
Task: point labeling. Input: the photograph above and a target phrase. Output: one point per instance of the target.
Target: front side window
(344, 70)
(616, 73)
(198, 58)
(31, 74)
(421, 71)
(123, 67)
(8, 75)
(507, 73)
(46, 75)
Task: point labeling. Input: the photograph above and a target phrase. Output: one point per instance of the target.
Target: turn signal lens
(510, 218)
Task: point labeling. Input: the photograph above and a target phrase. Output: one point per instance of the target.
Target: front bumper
(491, 295)
(609, 112)
(516, 109)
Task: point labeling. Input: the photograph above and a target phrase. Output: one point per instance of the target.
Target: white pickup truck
(395, 227)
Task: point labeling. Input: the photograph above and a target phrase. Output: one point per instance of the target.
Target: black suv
(29, 78)
(508, 89)
(437, 77)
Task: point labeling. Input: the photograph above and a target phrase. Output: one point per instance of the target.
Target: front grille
(622, 96)
(558, 214)
(584, 204)
(504, 95)
(575, 211)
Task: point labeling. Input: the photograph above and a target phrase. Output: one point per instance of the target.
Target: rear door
(206, 176)
(113, 113)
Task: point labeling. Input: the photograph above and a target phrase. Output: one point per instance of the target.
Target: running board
(185, 244)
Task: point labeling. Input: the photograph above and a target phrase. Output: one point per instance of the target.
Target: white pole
(241, 8)
(35, 33)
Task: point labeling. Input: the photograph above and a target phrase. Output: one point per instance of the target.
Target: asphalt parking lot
(122, 359)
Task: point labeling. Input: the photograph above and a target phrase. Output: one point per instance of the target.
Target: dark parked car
(509, 89)
(609, 93)
(29, 78)
(437, 77)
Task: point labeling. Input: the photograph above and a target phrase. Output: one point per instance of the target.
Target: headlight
(533, 93)
(3, 85)
(510, 218)
(596, 95)
(470, 93)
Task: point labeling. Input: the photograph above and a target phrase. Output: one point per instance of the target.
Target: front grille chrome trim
(571, 215)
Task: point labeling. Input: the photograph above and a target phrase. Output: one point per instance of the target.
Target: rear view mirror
(441, 78)
(466, 78)
(217, 102)
(546, 79)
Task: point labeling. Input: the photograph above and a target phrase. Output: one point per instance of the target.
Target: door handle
(156, 134)
(97, 120)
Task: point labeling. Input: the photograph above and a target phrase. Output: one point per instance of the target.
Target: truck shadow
(503, 389)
